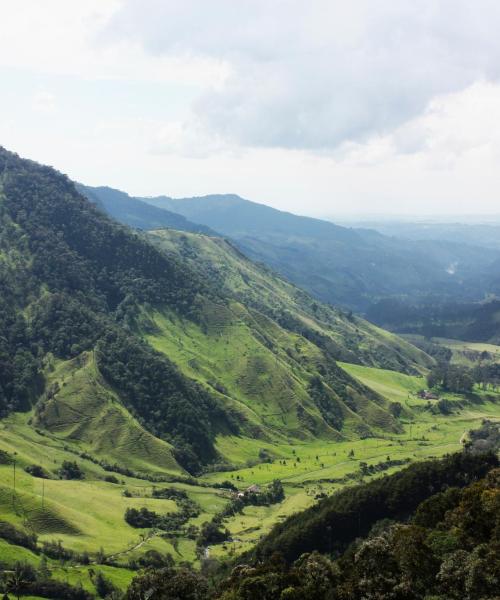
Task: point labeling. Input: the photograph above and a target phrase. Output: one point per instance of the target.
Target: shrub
(71, 470)
(37, 471)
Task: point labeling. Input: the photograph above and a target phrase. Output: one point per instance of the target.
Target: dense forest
(472, 321)
(72, 280)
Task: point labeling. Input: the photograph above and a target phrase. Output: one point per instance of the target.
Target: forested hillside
(428, 532)
(187, 355)
(332, 524)
(473, 321)
(72, 281)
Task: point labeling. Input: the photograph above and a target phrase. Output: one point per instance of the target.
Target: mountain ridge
(350, 267)
(78, 282)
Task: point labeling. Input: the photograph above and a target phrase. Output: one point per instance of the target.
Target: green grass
(470, 353)
(85, 410)
(265, 385)
(85, 515)
(88, 515)
(394, 386)
(257, 286)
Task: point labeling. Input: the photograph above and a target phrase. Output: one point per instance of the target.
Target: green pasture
(87, 515)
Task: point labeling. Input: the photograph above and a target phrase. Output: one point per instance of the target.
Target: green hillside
(80, 406)
(73, 281)
(168, 349)
(346, 336)
(145, 378)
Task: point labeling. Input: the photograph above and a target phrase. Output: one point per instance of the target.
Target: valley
(87, 515)
(167, 401)
(249, 300)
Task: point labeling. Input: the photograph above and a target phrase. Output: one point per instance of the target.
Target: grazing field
(87, 515)
(467, 354)
(310, 469)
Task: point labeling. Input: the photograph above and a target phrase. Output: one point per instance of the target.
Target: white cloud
(315, 74)
(64, 38)
(454, 127)
(321, 107)
(188, 139)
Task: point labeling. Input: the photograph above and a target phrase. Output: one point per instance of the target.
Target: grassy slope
(266, 370)
(470, 353)
(425, 435)
(249, 350)
(467, 354)
(86, 410)
(85, 515)
(88, 514)
(256, 286)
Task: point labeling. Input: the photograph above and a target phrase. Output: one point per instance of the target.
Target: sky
(325, 108)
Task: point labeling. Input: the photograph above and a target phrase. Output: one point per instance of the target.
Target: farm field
(464, 353)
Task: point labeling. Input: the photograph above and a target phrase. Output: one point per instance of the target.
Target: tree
(20, 579)
(103, 586)
(71, 470)
(396, 409)
(211, 534)
(168, 584)
(275, 492)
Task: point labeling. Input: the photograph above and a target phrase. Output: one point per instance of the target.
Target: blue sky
(324, 108)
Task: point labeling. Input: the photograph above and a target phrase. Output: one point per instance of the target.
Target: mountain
(340, 265)
(346, 336)
(484, 235)
(155, 340)
(160, 392)
(135, 213)
(71, 283)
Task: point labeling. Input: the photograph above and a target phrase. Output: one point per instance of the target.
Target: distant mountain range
(350, 267)
(484, 235)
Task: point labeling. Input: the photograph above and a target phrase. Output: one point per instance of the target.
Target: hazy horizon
(320, 109)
